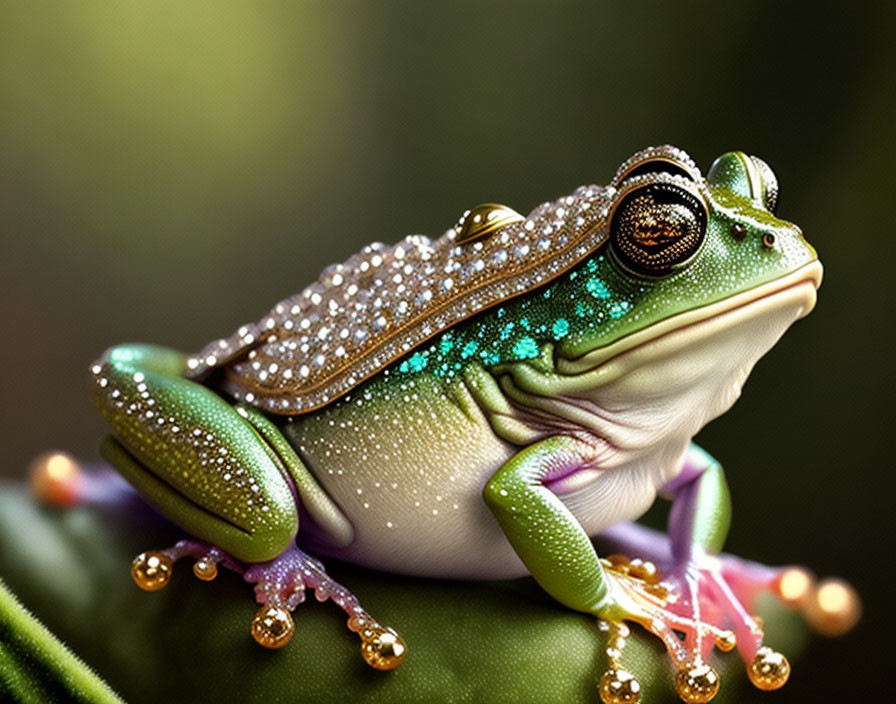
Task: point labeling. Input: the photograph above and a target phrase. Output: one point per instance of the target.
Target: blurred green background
(169, 170)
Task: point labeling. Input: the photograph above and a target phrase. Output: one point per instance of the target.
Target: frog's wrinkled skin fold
(481, 405)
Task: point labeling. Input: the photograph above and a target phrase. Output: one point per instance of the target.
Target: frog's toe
(722, 608)
(273, 626)
(382, 648)
(834, 607)
(617, 686)
(56, 478)
(643, 597)
(697, 682)
(769, 669)
(152, 570)
(280, 587)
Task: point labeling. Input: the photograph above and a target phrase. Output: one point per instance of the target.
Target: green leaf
(467, 642)
(36, 667)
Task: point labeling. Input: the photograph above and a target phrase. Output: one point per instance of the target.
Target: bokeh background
(169, 170)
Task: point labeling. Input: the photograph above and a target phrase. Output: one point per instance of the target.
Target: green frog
(481, 405)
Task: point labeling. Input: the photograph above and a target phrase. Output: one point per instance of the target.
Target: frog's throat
(797, 288)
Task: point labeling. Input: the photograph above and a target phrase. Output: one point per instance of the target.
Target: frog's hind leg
(226, 475)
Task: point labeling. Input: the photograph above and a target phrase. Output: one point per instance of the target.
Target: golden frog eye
(483, 220)
(657, 228)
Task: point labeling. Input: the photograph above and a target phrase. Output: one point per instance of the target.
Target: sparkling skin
(408, 455)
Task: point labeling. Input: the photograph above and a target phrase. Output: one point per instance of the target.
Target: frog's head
(682, 249)
(697, 280)
(677, 241)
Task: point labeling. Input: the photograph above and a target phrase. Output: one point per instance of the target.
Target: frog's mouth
(795, 291)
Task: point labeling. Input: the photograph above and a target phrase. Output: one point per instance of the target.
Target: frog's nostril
(739, 230)
(768, 240)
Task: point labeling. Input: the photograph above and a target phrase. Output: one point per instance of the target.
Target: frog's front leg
(227, 476)
(561, 557)
(559, 554)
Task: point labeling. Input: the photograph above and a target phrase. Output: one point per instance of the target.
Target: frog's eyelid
(632, 183)
(658, 166)
(655, 160)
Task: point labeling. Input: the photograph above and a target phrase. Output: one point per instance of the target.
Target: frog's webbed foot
(692, 611)
(279, 587)
(708, 604)
(643, 595)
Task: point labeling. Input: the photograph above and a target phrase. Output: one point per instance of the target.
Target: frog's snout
(808, 285)
(813, 254)
(795, 251)
(817, 273)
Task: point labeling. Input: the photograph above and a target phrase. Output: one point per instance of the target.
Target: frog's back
(384, 302)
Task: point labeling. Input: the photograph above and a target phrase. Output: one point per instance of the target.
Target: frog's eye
(748, 176)
(657, 228)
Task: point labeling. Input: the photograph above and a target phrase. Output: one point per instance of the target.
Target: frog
(481, 407)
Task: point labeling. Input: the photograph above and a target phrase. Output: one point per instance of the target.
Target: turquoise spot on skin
(617, 310)
(489, 357)
(444, 371)
(417, 362)
(469, 349)
(597, 288)
(560, 329)
(446, 344)
(525, 348)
